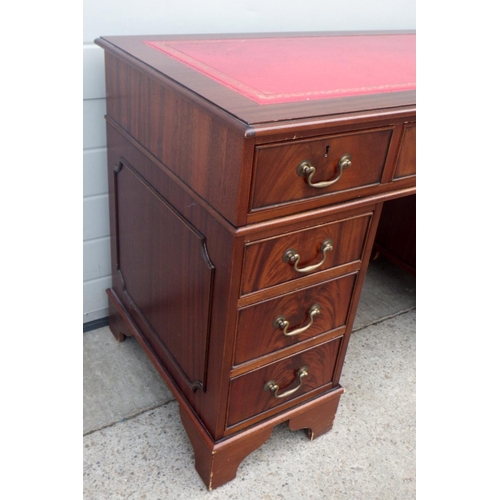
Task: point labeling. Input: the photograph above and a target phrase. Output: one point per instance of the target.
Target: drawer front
(293, 318)
(407, 160)
(288, 257)
(278, 178)
(255, 392)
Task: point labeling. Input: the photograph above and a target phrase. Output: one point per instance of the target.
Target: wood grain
(215, 148)
(178, 308)
(225, 251)
(264, 265)
(257, 335)
(276, 180)
(320, 361)
(407, 161)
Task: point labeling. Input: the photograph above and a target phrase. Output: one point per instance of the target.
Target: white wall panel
(94, 126)
(93, 72)
(96, 259)
(95, 300)
(95, 177)
(95, 217)
(130, 17)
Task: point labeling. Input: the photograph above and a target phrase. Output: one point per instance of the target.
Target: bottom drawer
(281, 382)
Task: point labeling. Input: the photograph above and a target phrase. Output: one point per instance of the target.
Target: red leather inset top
(278, 70)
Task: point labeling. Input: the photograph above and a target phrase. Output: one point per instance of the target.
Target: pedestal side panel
(167, 274)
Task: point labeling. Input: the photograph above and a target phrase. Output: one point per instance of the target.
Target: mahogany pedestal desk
(247, 175)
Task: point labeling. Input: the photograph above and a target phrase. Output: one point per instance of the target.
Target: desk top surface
(272, 77)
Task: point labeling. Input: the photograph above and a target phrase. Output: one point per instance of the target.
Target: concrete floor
(136, 448)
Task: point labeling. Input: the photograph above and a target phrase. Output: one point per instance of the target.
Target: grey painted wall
(133, 17)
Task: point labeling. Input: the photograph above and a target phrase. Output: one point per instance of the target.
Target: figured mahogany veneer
(276, 180)
(320, 362)
(263, 261)
(257, 335)
(205, 206)
(407, 161)
(148, 231)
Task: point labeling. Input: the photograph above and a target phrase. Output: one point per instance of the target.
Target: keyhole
(327, 150)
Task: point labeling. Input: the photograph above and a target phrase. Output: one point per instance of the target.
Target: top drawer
(287, 172)
(407, 160)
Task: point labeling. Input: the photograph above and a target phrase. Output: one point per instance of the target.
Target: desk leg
(217, 463)
(117, 325)
(318, 420)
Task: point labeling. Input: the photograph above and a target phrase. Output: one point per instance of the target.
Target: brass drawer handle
(305, 169)
(283, 323)
(274, 387)
(292, 257)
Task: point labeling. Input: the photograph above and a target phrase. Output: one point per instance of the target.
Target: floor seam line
(385, 318)
(130, 417)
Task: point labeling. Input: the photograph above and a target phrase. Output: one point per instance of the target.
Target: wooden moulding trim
(260, 214)
(164, 80)
(344, 197)
(327, 210)
(297, 284)
(134, 330)
(320, 220)
(332, 124)
(291, 288)
(256, 363)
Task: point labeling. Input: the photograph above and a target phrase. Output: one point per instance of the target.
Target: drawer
(296, 254)
(407, 159)
(256, 392)
(279, 178)
(293, 318)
